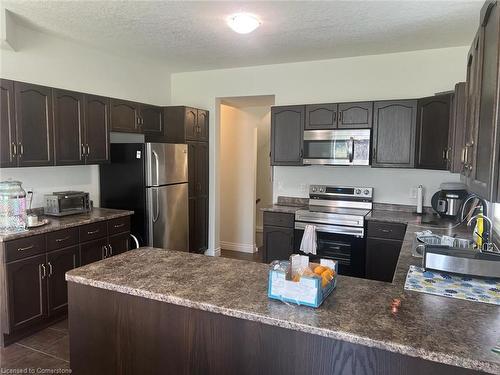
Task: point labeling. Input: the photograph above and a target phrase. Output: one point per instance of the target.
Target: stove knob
(321, 190)
(357, 191)
(367, 191)
(313, 189)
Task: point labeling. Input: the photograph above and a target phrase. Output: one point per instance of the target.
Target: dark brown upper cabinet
(287, 135)
(321, 116)
(68, 127)
(34, 125)
(433, 124)
(456, 138)
(152, 119)
(97, 127)
(394, 127)
(484, 169)
(183, 124)
(125, 116)
(355, 115)
(8, 140)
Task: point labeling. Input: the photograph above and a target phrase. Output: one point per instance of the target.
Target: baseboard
(244, 248)
(213, 252)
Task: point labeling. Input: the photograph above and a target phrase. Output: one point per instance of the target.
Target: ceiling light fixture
(243, 23)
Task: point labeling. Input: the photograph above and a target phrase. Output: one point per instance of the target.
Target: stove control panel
(341, 191)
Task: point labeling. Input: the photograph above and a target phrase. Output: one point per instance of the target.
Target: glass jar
(12, 207)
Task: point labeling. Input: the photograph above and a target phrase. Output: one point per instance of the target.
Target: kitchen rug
(454, 286)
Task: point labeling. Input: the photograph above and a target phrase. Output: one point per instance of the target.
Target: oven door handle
(358, 232)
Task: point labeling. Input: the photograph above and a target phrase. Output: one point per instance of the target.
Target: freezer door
(168, 217)
(166, 163)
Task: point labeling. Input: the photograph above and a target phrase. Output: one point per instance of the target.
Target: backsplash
(45, 180)
(390, 185)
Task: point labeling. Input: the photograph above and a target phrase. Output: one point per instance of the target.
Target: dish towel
(308, 244)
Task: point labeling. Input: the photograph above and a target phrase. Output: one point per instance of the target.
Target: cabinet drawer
(119, 225)
(62, 238)
(382, 229)
(279, 219)
(24, 247)
(92, 231)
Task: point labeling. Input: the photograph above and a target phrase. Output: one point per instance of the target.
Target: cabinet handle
(26, 248)
(14, 149)
(301, 153)
(119, 225)
(386, 230)
(340, 117)
(62, 239)
(50, 268)
(44, 270)
(83, 149)
(21, 149)
(104, 252)
(88, 150)
(110, 250)
(93, 231)
(334, 116)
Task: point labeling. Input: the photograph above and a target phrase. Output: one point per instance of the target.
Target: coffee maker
(448, 201)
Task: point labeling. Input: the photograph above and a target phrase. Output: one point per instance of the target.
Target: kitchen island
(165, 312)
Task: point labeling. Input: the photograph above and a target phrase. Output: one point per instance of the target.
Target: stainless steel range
(338, 213)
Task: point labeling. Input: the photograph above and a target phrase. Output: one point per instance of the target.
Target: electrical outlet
(413, 193)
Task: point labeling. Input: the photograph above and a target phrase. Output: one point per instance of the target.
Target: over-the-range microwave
(337, 147)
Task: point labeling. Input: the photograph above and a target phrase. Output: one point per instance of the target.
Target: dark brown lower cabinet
(278, 243)
(198, 224)
(92, 251)
(26, 292)
(119, 243)
(59, 262)
(381, 258)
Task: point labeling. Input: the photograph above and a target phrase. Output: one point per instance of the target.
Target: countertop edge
(354, 339)
(43, 230)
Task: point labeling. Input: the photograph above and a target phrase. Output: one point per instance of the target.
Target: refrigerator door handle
(157, 167)
(156, 214)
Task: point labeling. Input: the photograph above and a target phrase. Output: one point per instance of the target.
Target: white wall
(399, 75)
(264, 170)
(51, 61)
(238, 183)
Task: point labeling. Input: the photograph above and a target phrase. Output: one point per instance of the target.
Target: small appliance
(337, 147)
(448, 201)
(62, 203)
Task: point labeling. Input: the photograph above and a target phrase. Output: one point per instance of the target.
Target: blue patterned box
(307, 291)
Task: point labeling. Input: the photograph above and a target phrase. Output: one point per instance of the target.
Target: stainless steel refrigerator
(152, 180)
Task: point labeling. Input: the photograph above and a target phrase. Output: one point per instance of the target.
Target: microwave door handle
(351, 152)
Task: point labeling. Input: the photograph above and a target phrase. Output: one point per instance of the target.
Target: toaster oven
(62, 203)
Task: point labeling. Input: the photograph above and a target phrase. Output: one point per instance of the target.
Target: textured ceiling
(194, 36)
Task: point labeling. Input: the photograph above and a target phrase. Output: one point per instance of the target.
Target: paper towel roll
(420, 199)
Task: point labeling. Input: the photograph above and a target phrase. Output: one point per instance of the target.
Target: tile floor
(47, 349)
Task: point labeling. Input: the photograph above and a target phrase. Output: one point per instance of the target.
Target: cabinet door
(456, 138)
(58, 263)
(92, 251)
(191, 123)
(198, 165)
(34, 124)
(26, 291)
(198, 224)
(381, 258)
(278, 243)
(125, 116)
(433, 124)
(394, 126)
(202, 121)
(152, 119)
(321, 116)
(355, 115)
(8, 140)
(192, 158)
(68, 127)
(97, 125)
(119, 243)
(484, 163)
(287, 135)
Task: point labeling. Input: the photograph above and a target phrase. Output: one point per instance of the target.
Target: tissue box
(307, 291)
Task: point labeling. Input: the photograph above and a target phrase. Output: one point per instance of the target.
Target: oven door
(347, 250)
(337, 147)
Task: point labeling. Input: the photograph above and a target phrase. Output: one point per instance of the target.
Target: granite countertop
(57, 223)
(450, 331)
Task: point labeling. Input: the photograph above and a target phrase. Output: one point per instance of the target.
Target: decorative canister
(12, 207)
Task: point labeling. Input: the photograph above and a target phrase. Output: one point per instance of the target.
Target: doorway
(245, 173)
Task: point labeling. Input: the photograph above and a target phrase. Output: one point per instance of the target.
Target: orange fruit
(319, 270)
